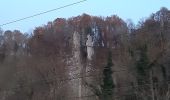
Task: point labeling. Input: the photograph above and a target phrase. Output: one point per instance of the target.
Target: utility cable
(41, 13)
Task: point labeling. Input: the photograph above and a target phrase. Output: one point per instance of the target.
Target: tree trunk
(152, 85)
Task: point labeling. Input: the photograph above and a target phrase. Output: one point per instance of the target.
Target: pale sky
(126, 9)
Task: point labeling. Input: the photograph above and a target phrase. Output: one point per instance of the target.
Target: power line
(41, 13)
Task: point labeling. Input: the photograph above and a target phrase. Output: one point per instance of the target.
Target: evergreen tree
(108, 85)
(142, 64)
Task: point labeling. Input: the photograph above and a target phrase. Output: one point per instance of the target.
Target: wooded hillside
(88, 58)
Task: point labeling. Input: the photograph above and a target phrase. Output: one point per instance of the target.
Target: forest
(88, 58)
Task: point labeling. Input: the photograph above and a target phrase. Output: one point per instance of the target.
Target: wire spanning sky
(126, 9)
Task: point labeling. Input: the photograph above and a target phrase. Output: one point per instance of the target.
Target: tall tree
(108, 85)
(142, 62)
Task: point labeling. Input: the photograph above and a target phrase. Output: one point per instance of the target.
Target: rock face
(90, 50)
(77, 61)
(80, 67)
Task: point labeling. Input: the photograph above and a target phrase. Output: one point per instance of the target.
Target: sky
(11, 10)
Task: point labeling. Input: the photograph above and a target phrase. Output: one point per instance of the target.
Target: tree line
(130, 62)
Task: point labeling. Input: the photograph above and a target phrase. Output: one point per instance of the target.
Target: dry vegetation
(41, 66)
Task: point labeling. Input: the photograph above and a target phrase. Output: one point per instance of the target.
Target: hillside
(88, 58)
